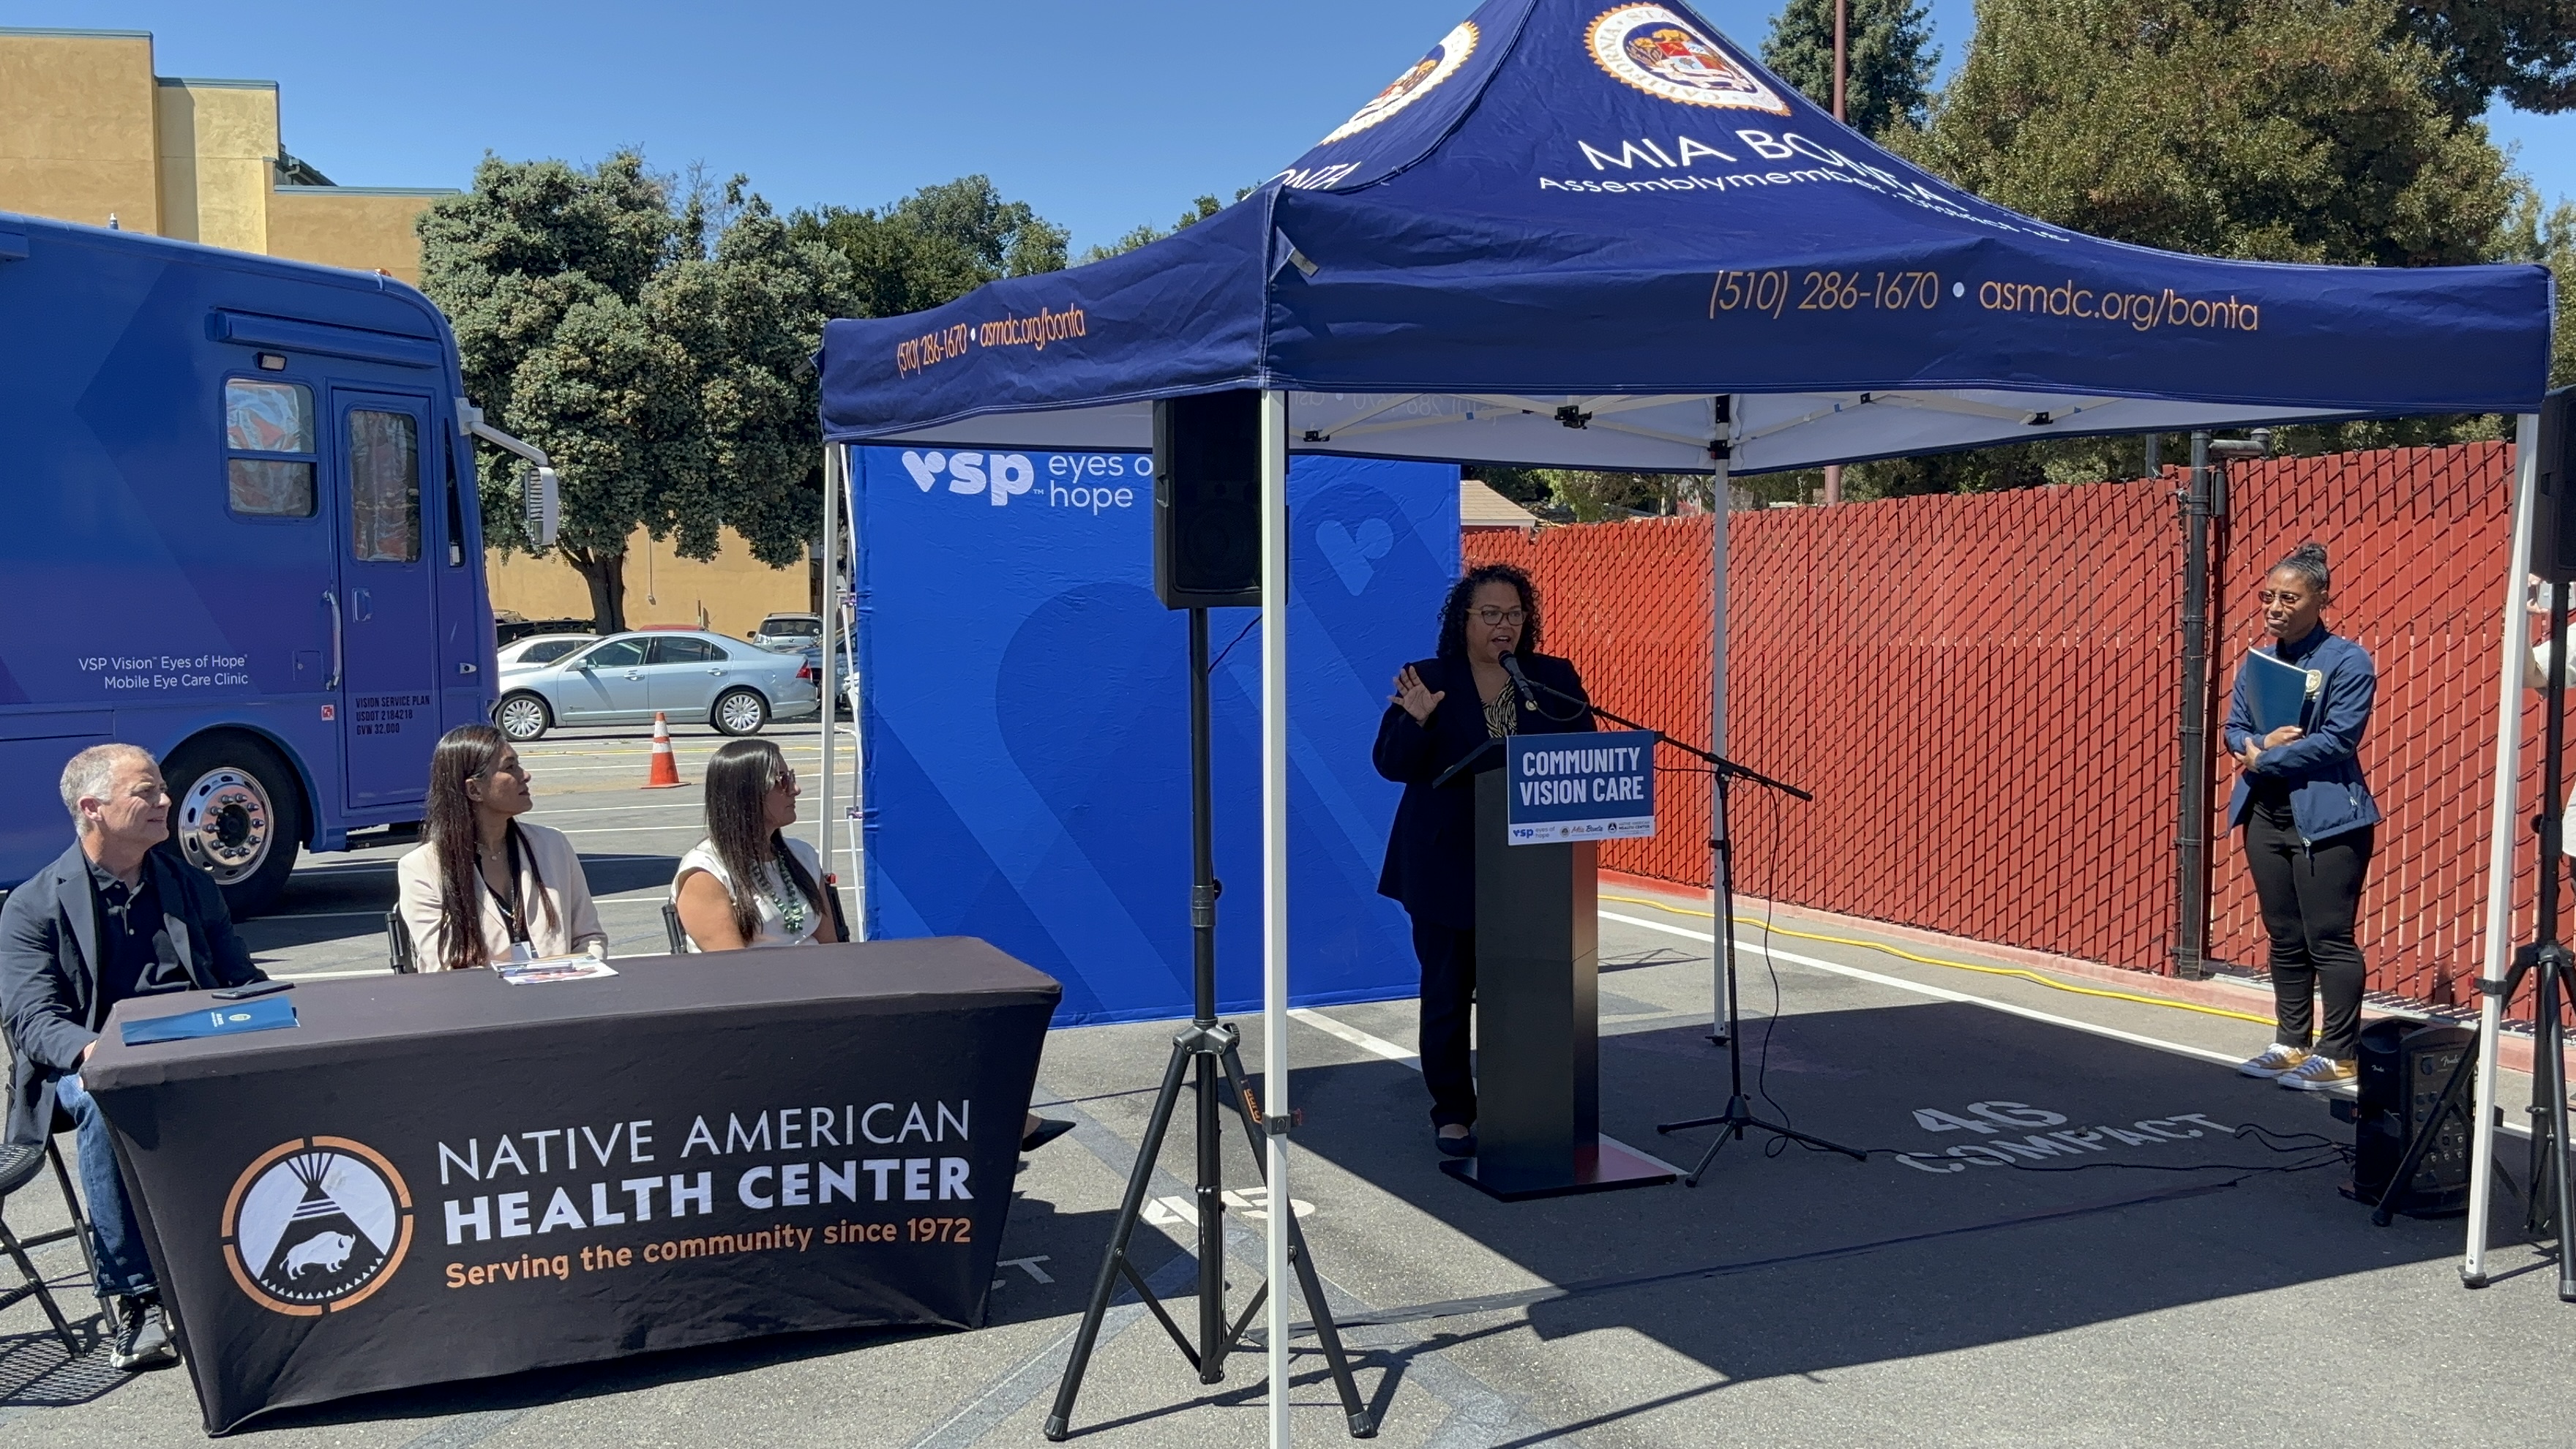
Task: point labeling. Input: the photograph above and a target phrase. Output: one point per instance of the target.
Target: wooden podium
(1538, 1051)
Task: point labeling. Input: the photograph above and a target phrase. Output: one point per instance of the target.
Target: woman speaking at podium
(1444, 709)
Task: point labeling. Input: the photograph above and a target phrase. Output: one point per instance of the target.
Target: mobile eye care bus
(238, 528)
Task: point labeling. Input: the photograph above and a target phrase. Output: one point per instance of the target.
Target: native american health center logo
(1090, 482)
(316, 1224)
(1658, 52)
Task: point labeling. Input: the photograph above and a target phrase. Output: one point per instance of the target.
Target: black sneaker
(142, 1336)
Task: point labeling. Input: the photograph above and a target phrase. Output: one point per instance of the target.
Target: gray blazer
(49, 965)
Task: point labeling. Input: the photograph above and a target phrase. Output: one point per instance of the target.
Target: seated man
(119, 914)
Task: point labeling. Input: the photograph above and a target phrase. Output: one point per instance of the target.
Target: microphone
(1520, 681)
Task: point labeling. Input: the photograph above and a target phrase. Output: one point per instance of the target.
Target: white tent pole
(833, 461)
(1274, 881)
(1722, 981)
(2503, 831)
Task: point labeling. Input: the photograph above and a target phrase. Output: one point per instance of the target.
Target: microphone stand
(1739, 1113)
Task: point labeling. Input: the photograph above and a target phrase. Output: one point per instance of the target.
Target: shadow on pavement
(1796, 1262)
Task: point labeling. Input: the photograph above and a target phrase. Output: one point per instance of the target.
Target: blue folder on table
(263, 1013)
(2277, 692)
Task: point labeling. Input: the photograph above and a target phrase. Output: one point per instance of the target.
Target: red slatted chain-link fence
(1982, 693)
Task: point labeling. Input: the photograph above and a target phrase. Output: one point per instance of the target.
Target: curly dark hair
(1453, 608)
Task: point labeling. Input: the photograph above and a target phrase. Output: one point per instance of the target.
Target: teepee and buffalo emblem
(316, 1225)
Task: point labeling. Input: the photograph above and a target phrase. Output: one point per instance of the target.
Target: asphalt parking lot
(2191, 1286)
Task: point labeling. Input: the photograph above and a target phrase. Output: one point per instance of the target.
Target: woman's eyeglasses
(786, 781)
(1491, 617)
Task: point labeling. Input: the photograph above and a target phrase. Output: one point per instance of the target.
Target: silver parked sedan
(687, 674)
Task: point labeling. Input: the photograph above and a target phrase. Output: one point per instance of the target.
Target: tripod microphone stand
(1739, 1113)
(2552, 967)
(1212, 1047)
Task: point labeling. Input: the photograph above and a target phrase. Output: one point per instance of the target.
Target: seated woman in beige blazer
(484, 887)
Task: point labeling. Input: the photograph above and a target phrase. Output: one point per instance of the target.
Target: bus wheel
(236, 813)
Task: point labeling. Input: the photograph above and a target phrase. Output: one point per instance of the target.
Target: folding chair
(19, 1164)
(398, 948)
(671, 927)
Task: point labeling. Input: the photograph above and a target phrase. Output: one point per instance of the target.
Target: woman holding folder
(2294, 726)
(1444, 709)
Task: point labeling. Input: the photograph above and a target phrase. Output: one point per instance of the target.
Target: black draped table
(448, 1176)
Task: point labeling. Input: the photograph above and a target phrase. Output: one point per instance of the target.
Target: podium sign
(1579, 787)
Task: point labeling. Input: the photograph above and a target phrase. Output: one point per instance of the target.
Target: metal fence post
(2191, 839)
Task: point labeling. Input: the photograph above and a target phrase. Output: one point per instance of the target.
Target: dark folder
(2277, 692)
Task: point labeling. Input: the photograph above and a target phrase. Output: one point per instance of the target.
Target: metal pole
(1842, 52)
(2191, 839)
(2498, 942)
(834, 462)
(1722, 1006)
(1211, 1167)
(1274, 885)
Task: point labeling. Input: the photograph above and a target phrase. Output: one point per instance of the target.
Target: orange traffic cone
(666, 766)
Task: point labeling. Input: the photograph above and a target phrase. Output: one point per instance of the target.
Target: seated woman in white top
(747, 883)
(485, 887)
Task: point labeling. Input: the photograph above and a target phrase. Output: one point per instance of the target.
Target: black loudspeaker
(2553, 512)
(2404, 1065)
(1207, 501)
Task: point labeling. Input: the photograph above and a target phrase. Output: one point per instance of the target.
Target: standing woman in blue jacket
(2308, 820)
(1444, 709)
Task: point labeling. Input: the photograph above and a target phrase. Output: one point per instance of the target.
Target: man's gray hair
(87, 775)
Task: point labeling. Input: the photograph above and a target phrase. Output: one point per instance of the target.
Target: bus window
(384, 487)
(269, 418)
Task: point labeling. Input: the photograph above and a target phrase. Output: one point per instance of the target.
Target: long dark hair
(1453, 609)
(739, 779)
(467, 752)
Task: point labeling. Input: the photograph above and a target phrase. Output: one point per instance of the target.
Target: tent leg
(835, 458)
(1722, 981)
(2498, 945)
(1277, 1113)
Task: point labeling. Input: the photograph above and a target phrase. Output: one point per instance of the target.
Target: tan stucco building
(731, 592)
(89, 133)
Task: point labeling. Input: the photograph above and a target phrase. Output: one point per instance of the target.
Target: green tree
(1200, 210)
(1890, 59)
(2522, 51)
(2548, 236)
(665, 376)
(933, 246)
(2283, 130)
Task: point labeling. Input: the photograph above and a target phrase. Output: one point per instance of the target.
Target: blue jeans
(123, 1269)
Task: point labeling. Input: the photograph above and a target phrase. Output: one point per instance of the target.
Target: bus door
(387, 640)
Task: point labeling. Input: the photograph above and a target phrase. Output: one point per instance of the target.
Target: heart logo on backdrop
(1351, 553)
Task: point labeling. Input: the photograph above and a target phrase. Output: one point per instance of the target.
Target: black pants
(2309, 896)
(1448, 998)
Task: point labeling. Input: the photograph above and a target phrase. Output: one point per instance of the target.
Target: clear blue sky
(1101, 113)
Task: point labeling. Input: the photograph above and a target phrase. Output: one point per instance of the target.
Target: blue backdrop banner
(1025, 701)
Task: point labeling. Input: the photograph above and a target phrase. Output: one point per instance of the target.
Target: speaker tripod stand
(1219, 1085)
(2552, 969)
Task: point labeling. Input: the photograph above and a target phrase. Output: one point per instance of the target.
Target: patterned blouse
(1500, 716)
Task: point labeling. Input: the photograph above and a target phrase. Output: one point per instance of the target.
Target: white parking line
(1937, 993)
(1380, 1047)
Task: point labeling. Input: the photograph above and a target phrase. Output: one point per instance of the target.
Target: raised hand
(1418, 699)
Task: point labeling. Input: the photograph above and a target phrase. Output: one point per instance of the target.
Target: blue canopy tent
(1580, 233)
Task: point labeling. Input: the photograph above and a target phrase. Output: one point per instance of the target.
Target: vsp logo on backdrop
(1027, 723)
(316, 1224)
(1091, 482)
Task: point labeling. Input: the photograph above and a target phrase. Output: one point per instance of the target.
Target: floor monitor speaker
(2403, 1067)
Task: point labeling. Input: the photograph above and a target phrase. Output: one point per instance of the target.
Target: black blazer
(1430, 855)
(49, 988)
